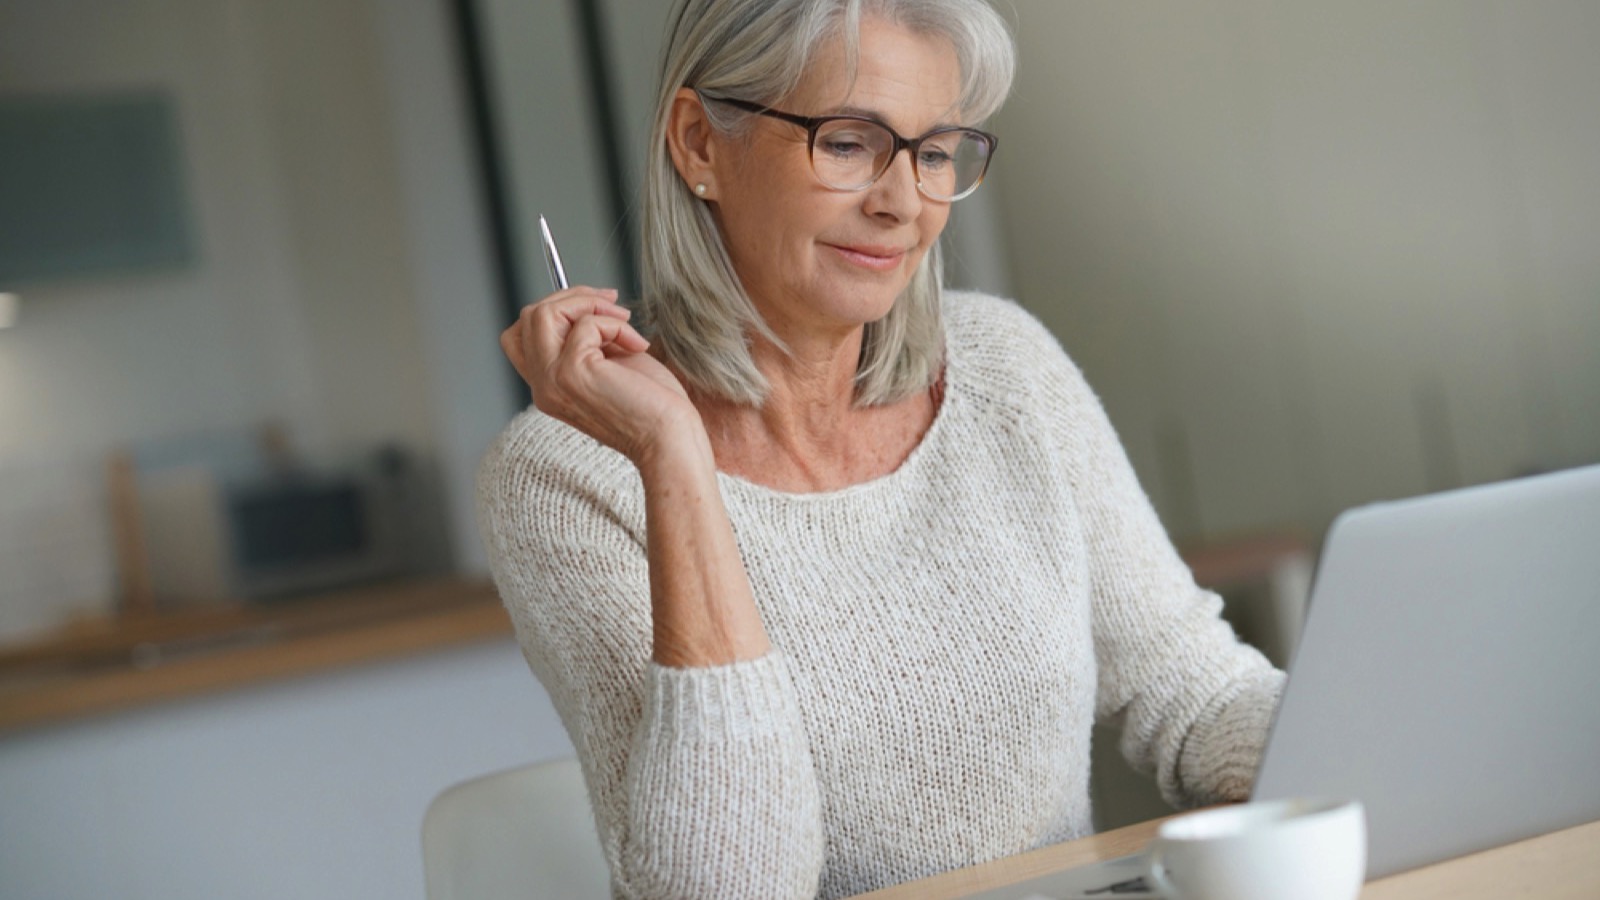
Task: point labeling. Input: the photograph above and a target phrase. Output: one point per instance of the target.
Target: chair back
(525, 833)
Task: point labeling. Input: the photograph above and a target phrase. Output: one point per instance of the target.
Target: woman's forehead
(907, 78)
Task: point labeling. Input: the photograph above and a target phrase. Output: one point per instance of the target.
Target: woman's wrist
(677, 449)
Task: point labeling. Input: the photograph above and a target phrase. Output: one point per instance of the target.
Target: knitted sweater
(944, 637)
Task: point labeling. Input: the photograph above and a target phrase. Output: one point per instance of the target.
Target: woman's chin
(865, 308)
(864, 300)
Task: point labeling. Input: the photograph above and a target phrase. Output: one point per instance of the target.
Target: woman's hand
(588, 367)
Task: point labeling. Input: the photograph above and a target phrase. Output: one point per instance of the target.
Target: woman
(830, 579)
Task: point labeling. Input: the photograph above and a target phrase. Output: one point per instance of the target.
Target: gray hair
(693, 302)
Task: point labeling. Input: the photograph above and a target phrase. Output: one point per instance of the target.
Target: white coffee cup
(1279, 850)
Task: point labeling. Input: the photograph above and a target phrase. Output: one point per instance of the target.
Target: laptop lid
(1449, 671)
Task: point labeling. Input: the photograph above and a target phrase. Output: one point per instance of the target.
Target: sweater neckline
(884, 482)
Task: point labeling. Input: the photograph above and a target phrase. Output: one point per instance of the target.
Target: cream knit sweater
(944, 637)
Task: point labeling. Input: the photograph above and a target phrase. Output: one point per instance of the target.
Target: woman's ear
(692, 142)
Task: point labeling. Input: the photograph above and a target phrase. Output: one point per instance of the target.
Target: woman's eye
(843, 146)
(932, 158)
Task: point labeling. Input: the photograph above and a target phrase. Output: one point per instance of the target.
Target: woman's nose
(895, 193)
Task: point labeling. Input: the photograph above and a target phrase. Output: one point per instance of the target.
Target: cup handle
(1155, 869)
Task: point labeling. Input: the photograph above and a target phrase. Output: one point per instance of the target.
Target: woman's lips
(878, 259)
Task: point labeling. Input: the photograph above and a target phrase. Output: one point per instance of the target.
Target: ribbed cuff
(1219, 763)
(737, 701)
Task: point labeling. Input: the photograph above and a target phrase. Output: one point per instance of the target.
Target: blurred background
(254, 257)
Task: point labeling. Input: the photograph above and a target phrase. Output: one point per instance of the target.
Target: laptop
(1448, 676)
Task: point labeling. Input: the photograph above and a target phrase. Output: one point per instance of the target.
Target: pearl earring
(700, 189)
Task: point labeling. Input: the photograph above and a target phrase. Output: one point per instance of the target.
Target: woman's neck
(810, 393)
(809, 435)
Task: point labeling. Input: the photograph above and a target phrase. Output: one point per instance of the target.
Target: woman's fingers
(628, 340)
(547, 322)
(607, 335)
(536, 337)
(558, 370)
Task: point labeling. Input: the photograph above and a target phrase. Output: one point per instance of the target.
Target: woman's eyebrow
(879, 117)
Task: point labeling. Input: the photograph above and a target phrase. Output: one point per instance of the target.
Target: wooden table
(1563, 865)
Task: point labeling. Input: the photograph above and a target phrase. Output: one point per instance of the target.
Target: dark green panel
(90, 184)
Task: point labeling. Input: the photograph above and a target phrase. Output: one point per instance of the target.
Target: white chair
(526, 834)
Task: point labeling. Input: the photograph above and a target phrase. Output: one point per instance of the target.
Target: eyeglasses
(849, 153)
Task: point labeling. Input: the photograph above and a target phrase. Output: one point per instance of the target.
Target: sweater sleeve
(701, 780)
(1194, 703)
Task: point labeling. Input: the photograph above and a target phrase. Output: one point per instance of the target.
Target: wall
(302, 307)
(1313, 256)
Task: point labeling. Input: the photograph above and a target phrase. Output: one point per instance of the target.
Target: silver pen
(552, 256)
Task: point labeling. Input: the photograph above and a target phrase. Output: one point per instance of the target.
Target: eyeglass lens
(849, 154)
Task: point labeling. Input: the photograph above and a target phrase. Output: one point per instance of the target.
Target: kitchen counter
(101, 666)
